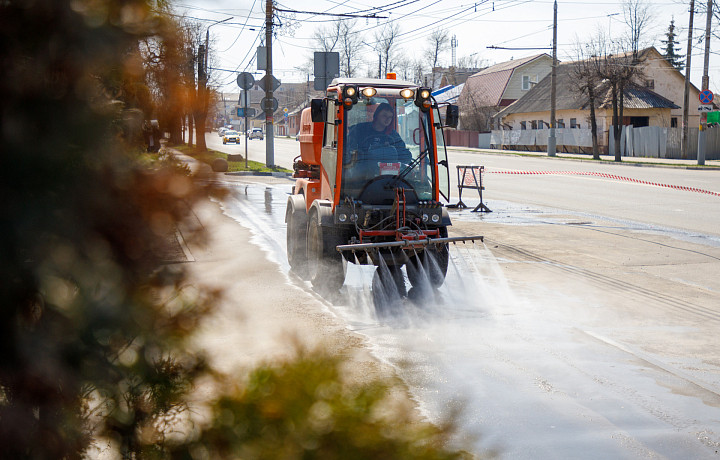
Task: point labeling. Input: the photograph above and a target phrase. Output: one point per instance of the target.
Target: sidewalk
(638, 161)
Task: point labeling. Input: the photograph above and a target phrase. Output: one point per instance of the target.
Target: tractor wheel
(430, 266)
(326, 268)
(297, 219)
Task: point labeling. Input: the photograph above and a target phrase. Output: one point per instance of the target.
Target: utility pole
(269, 135)
(686, 98)
(552, 142)
(705, 86)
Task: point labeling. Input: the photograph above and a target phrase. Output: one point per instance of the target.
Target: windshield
(387, 135)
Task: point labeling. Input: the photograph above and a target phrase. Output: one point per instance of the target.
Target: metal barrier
(471, 178)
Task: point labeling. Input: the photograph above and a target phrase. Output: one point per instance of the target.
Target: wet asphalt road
(587, 328)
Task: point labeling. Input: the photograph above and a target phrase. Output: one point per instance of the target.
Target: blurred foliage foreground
(94, 325)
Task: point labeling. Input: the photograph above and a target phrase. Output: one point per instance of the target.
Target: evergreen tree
(671, 55)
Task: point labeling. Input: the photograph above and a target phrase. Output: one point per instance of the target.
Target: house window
(540, 124)
(650, 84)
(560, 123)
(673, 122)
(527, 82)
(524, 126)
(533, 124)
(573, 123)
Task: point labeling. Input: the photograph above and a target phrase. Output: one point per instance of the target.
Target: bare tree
(386, 46)
(327, 38)
(638, 17)
(618, 66)
(350, 48)
(472, 61)
(586, 80)
(438, 42)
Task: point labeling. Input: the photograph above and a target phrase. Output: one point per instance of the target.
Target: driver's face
(384, 118)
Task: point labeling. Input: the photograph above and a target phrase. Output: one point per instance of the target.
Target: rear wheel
(297, 219)
(326, 268)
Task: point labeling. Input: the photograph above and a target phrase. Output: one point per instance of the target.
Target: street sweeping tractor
(370, 175)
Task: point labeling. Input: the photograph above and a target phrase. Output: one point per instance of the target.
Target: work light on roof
(407, 93)
(369, 92)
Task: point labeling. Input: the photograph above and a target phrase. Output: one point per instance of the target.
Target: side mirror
(317, 110)
(452, 116)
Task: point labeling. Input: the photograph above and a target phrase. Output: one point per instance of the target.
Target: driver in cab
(377, 142)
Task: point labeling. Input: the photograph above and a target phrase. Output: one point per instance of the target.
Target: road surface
(585, 327)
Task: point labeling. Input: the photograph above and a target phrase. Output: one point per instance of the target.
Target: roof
(537, 99)
(488, 85)
(384, 82)
(448, 94)
(509, 65)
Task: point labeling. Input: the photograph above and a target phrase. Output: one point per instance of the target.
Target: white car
(221, 131)
(255, 133)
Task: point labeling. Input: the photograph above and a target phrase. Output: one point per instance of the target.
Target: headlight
(436, 218)
(353, 218)
(425, 217)
(342, 217)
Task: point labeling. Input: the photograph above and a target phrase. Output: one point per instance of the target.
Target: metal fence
(648, 141)
(657, 142)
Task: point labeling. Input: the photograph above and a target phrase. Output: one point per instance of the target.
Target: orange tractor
(369, 178)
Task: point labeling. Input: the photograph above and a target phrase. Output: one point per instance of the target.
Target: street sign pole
(245, 127)
(269, 139)
(245, 81)
(705, 88)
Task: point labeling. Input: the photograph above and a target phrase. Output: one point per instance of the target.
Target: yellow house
(655, 99)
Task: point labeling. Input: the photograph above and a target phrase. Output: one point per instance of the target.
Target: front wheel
(296, 235)
(326, 267)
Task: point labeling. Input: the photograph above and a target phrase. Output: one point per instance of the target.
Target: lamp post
(207, 41)
(203, 79)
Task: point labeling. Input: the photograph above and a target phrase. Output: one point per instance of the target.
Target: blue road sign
(706, 96)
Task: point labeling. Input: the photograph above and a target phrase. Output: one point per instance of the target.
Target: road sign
(326, 67)
(713, 117)
(706, 96)
(246, 112)
(262, 83)
(705, 108)
(245, 80)
(269, 105)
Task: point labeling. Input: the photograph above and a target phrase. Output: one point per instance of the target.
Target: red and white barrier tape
(608, 176)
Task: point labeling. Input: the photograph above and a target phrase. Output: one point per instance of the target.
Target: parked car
(221, 131)
(231, 136)
(255, 133)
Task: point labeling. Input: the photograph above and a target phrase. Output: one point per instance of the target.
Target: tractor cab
(387, 131)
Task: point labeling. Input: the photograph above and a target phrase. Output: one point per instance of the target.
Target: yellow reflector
(391, 76)
(348, 101)
(407, 93)
(369, 92)
(426, 103)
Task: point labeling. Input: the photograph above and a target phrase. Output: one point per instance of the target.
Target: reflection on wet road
(531, 382)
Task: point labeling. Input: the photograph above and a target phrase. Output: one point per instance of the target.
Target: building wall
(540, 67)
(669, 83)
